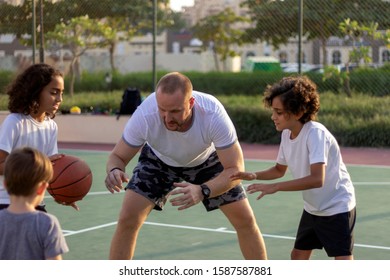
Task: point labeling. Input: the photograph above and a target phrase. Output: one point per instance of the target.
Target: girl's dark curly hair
(25, 90)
(297, 94)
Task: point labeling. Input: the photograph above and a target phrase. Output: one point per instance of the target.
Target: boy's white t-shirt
(315, 144)
(211, 129)
(19, 130)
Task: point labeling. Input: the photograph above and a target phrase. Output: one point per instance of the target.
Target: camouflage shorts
(154, 179)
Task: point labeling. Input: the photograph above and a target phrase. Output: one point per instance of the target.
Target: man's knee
(241, 215)
(129, 222)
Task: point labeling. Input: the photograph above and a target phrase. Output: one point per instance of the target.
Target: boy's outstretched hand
(263, 188)
(249, 176)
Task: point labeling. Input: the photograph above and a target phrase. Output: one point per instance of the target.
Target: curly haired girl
(34, 98)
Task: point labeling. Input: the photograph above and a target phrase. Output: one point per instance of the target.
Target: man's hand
(115, 179)
(191, 195)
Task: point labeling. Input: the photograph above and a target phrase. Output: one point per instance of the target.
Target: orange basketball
(72, 179)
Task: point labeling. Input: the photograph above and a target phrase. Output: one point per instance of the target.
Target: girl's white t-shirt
(19, 130)
(315, 144)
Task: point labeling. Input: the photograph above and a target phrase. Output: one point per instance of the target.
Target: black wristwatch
(205, 191)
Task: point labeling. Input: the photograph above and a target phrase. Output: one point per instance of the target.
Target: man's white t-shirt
(315, 144)
(211, 129)
(19, 130)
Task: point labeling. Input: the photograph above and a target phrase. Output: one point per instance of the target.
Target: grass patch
(358, 121)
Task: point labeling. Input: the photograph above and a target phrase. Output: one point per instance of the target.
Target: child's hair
(24, 169)
(297, 94)
(24, 91)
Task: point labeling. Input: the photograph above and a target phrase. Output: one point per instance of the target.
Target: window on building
(386, 56)
(336, 57)
(303, 58)
(283, 57)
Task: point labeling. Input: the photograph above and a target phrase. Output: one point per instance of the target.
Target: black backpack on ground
(131, 99)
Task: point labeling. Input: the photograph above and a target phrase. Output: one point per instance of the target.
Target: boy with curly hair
(312, 155)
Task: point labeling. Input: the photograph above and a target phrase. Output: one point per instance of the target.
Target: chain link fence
(346, 42)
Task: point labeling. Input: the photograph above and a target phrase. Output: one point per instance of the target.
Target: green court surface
(194, 234)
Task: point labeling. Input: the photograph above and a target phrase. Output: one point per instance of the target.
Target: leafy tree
(123, 16)
(120, 19)
(10, 15)
(177, 22)
(79, 35)
(218, 32)
(114, 31)
(23, 15)
(354, 32)
(124, 20)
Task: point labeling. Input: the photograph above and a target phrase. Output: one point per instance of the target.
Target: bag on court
(131, 99)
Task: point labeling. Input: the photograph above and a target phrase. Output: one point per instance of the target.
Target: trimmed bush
(362, 120)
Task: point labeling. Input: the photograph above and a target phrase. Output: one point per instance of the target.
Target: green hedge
(374, 82)
(362, 120)
(255, 126)
(371, 81)
(5, 79)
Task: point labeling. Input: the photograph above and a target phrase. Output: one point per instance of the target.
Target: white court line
(245, 185)
(372, 183)
(347, 164)
(354, 183)
(219, 230)
(93, 193)
(69, 233)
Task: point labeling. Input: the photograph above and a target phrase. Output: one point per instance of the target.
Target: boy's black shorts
(333, 233)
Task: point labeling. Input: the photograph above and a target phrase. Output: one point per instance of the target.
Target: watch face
(205, 191)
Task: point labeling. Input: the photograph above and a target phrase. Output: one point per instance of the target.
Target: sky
(176, 4)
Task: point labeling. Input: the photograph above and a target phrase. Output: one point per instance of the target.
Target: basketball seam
(63, 170)
(74, 182)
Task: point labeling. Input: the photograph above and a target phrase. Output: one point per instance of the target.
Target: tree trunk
(112, 61)
(323, 45)
(72, 76)
(216, 61)
(347, 85)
